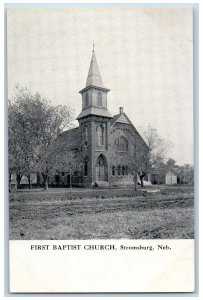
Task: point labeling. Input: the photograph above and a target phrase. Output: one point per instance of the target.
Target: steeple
(94, 95)
(94, 76)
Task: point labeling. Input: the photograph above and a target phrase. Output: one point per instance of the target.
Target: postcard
(100, 149)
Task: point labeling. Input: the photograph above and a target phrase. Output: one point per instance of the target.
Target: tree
(59, 157)
(150, 156)
(18, 144)
(170, 164)
(138, 164)
(188, 173)
(34, 123)
(185, 173)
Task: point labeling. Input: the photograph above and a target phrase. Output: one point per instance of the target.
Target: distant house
(171, 178)
(34, 178)
(163, 176)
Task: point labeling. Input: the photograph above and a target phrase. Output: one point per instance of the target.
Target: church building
(101, 150)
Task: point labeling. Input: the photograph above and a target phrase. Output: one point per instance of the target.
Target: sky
(145, 57)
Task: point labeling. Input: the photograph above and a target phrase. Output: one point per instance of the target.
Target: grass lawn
(153, 216)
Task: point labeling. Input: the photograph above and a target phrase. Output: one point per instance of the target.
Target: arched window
(121, 144)
(100, 161)
(86, 100)
(86, 135)
(123, 170)
(99, 99)
(101, 168)
(113, 170)
(119, 170)
(100, 135)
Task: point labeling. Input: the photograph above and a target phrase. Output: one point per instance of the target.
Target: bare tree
(59, 157)
(188, 172)
(20, 154)
(185, 173)
(34, 123)
(150, 156)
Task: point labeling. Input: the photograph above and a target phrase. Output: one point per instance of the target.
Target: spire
(94, 76)
(93, 46)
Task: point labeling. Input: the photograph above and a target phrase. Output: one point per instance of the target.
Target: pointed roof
(123, 118)
(94, 76)
(120, 118)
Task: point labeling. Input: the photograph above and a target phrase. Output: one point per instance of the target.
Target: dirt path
(39, 210)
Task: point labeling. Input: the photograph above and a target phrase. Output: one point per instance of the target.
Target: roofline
(94, 86)
(133, 127)
(74, 128)
(93, 115)
(116, 121)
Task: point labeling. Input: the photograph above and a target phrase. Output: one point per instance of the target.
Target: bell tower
(94, 95)
(94, 121)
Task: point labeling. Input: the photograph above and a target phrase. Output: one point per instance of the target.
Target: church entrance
(101, 168)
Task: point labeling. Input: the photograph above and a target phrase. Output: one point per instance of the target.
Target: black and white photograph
(100, 125)
(116, 159)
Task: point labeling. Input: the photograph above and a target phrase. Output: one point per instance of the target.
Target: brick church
(100, 151)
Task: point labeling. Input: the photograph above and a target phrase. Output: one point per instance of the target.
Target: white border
(2, 125)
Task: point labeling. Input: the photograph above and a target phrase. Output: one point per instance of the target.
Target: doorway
(101, 168)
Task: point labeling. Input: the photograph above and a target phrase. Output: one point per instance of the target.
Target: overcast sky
(144, 57)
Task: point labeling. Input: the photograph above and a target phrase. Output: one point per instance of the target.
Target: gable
(123, 119)
(124, 123)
